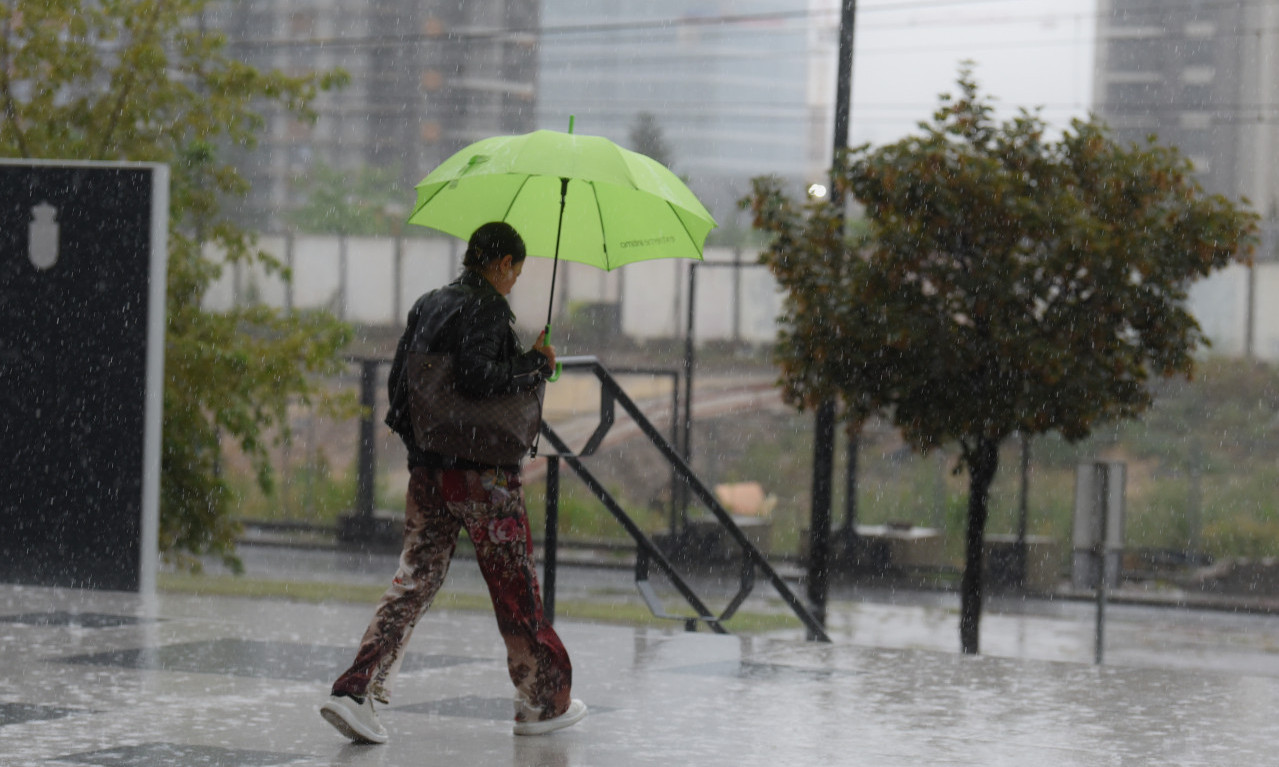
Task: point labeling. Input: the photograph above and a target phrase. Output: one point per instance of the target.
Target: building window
(1196, 120)
(1197, 52)
(1200, 29)
(1197, 75)
(1197, 97)
(302, 24)
(1134, 95)
(1136, 55)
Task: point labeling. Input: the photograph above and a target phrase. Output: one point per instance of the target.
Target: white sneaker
(575, 713)
(357, 721)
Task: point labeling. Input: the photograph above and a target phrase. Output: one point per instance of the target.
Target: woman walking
(471, 321)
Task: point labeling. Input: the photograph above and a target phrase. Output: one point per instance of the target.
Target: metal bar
(1102, 478)
(654, 602)
(689, 353)
(1250, 313)
(816, 630)
(688, 362)
(642, 541)
(673, 510)
(844, 74)
(343, 277)
(364, 494)
(745, 586)
(397, 298)
(550, 555)
(1023, 513)
(824, 425)
(819, 532)
(290, 260)
(1099, 647)
(737, 294)
(672, 503)
(607, 418)
(850, 488)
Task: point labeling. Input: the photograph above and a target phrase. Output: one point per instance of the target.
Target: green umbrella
(580, 198)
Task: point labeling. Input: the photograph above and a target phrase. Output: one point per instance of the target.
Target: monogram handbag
(498, 430)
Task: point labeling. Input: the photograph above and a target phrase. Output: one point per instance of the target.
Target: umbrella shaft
(555, 267)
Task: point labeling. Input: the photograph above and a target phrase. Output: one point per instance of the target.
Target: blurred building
(1203, 76)
(732, 90)
(735, 90)
(427, 77)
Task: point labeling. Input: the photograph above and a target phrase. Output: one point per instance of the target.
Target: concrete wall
(375, 281)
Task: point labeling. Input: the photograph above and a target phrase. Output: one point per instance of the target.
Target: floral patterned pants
(491, 506)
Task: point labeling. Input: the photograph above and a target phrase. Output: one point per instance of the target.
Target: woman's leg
(430, 536)
(497, 523)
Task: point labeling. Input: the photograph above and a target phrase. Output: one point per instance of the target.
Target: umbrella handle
(559, 366)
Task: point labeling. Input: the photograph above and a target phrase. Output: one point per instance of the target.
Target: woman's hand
(547, 350)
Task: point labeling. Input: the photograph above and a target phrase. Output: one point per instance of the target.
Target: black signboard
(82, 265)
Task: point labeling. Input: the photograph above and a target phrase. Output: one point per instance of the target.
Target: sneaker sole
(567, 719)
(340, 723)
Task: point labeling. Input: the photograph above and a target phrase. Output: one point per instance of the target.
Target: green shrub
(1241, 535)
(308, 492)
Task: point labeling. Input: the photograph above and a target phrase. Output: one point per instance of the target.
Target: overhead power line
(473, 35)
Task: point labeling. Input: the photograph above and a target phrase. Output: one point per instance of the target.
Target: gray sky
(1028, 53)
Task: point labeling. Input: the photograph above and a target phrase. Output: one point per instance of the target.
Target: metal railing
(649, 554)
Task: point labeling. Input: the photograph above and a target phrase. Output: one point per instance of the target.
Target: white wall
(653, 294)
(1266, 321)
(1220, 303)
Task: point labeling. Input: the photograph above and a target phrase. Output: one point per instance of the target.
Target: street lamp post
(824, 420)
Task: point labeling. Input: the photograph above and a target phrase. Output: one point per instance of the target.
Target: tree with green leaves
(141, 80)
(648, 138)
(1007, 283)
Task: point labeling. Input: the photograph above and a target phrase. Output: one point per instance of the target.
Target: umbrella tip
(571, 119)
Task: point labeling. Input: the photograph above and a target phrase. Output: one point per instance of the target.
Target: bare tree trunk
(983, 462)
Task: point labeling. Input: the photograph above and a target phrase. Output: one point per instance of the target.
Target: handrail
(613, 394)
(644, 544)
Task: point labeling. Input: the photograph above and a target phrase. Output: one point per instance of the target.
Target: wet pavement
(100, 678)
(1139, 631)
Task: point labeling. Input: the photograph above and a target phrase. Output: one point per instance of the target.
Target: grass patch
(584, 517)
(619, 613)
(1203, 473)
(259, 588)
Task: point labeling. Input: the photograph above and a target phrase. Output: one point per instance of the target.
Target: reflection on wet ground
(1012, 627)
(94, 678)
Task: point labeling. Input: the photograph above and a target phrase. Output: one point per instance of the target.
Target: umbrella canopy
(617, 206)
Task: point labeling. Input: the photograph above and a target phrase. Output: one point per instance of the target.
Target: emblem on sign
(42, 246)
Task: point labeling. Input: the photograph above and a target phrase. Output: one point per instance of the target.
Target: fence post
(290, 260)
(397, 299)
(689, 352)
(551, 554)
(819, 532)
(364, 493)
(343, 296)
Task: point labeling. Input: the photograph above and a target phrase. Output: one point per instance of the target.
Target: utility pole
(824, 420)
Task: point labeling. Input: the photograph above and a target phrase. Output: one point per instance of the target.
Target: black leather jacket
(472, 321)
